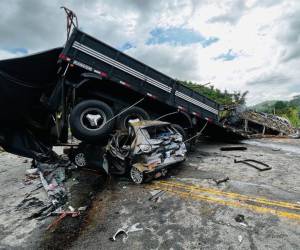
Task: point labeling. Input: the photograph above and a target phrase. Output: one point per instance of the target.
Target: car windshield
(157, 132)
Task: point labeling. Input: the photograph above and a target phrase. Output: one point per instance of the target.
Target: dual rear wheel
(93, 120)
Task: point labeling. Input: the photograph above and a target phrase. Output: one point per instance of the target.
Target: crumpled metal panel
(269, 121)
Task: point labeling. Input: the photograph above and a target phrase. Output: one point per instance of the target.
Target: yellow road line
(230, 203)
(232, 195)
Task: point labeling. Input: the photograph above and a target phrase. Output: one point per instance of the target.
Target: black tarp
(23, 81)
(25, 121)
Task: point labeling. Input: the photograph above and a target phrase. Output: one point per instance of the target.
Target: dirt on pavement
(252, 210)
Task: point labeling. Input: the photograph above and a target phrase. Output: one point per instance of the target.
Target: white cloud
(4, 54)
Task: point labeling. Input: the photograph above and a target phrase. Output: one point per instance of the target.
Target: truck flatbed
(95, 56)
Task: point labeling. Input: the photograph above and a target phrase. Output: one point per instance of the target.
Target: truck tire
(132, 113)
(88, 120)
(180, 130)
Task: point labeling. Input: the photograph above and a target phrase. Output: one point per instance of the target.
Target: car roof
(145, 124)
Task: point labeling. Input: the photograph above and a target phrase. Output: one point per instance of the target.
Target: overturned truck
(89, 88)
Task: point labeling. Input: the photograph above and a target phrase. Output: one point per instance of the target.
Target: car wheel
(131, 114)
(89, 120)
(136, 175)
(80, 160)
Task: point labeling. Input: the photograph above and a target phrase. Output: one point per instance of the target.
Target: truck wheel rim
(80, 160)
(96, 122)
(136, 175)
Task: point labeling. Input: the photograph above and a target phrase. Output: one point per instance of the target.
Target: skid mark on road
(256, 204)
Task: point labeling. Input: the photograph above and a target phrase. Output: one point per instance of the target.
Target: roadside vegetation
(222, 97)
(286, 109)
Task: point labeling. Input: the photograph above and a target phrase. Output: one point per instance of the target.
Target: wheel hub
(136, 175)
(93, 119)
(80, 160)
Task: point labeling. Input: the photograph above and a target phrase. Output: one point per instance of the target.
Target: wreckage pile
(268, 121)
(249, 123)
(144, 151)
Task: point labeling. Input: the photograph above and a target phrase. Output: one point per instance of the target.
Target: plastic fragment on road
(219, 181)
(240, 238)
(131, 229)
(31, 171)
(240, 218)
(134, 228)
(72, 209)
(119, 232)
(82, 208)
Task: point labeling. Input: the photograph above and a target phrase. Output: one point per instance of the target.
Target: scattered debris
(276, 149)
(251, 124)
(134, 228)
(246, 161)
(131, 229)
(157, 195)
(218, 181)
(240, 218)
(119, 232)
(63, 214)
(72, 209)
(82, 208)
(53, 175)
(240, 238)
(236, 148)
(267, 121)
(32, 171)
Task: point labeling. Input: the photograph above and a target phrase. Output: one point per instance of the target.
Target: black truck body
(120, 80)
(48, 92)
(95, 56)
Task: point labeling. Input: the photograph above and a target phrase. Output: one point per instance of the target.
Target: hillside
(264, 106)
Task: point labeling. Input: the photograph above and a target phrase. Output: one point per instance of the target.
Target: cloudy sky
(235, 44)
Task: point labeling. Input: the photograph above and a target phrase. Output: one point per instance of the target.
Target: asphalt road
(252, 210)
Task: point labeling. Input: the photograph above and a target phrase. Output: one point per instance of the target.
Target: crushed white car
(146, 150)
